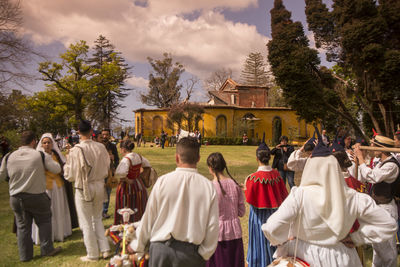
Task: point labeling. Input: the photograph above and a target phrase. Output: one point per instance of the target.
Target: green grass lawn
(240, 160)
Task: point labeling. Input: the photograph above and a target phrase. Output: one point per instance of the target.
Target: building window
(138, 126)
(221, 126)
(157, 125)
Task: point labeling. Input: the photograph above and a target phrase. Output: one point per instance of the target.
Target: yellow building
(231, 112)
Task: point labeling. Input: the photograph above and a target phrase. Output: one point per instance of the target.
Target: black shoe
(106, 216)
(54, 252)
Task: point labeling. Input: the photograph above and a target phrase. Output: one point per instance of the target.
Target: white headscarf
(55, 146)
(325, 190)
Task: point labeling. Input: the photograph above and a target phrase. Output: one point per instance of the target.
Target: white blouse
(183, 204)
(123, 166)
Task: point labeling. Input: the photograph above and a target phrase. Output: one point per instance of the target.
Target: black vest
(384, 192)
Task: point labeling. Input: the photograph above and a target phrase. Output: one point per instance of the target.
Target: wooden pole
(383, 149)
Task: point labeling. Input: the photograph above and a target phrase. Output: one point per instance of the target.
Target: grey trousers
(27, 207)
(174, 253)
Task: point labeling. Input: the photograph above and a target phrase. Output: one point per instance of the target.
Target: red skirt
(133, 196)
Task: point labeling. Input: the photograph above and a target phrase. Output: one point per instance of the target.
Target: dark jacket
(281, 157)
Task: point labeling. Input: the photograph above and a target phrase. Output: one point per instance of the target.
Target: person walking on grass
(28, 199)
(229, 250)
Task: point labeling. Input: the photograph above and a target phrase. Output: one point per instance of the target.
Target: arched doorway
(157, 125)
(276, 129)
(221, 126)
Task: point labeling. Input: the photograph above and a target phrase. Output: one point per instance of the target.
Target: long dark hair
(217, 164)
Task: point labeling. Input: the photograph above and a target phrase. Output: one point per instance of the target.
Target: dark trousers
(27, 207)
(174, 253)
(289, 175)
(107, 203)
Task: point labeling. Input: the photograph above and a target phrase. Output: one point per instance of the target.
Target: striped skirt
(133, 196)
(259, 252)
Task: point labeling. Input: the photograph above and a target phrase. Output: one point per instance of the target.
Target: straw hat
(382, 141)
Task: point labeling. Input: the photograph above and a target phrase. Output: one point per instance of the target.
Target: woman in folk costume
(131, 191)
(315, 219)
(265, 191)
(229, 250)
(60, 191)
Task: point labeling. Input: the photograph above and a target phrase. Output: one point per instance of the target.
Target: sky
(203, 35)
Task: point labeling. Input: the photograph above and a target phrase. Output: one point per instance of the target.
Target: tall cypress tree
(111, 73)
(363, 38)
(308, 88)
(254, 72)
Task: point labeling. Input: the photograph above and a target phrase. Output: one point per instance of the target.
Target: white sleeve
(295, 162)
(50, 164)
(143, 232)
(145, 163)
(210, 241)
(376, 224)
(277, 227)
(72, 167)
(122, 169)
(387, 173)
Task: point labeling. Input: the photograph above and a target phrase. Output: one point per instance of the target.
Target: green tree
(254, 72)
(185, 114)
(50, 111)
(164, 89)
(111, 72)
(363, 38)
(308, 88)
(275, 97)
(71, 78)
(13, 111)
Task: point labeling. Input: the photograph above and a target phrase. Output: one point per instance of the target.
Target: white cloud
(137, 82)
(150, 28)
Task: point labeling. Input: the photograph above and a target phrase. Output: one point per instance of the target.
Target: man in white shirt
(181, 216)
(28, 198)
(384, 177)
(87, 165)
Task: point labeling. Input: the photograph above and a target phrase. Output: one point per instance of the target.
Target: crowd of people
(346, 197)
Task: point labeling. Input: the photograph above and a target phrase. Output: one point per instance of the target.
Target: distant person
(87, 165)
(25, 168)
(325, 138)
(281, 154)
(181, 217)
(114, 158)
(138, 139)
(163, 138)
(229, 251)
(245, 139)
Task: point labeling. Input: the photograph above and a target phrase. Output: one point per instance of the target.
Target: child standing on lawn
(229, 250)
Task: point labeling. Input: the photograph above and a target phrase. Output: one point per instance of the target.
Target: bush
(225, 141)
